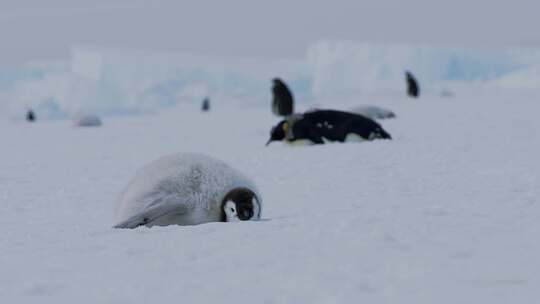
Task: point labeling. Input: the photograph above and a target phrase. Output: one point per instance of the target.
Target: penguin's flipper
(283, 101)
(381, 133)
(153, 212)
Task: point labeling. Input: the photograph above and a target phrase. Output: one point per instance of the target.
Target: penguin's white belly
(300, 142)
(352, 137)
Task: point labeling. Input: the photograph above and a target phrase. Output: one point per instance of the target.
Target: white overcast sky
(45, 29)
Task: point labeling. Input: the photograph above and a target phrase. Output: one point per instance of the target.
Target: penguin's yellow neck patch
(285, 127)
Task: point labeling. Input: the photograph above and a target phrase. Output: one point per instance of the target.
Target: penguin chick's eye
(232, 209)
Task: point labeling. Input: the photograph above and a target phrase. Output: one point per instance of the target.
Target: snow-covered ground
(447, 212)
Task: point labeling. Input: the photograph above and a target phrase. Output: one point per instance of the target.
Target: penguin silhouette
(413, 90)
(206, 105)
(283, 101)
(30, 116)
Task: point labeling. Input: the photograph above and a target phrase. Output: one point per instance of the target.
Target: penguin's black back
(412, 85)
(205, 105)
(336, 125)
(282, 102)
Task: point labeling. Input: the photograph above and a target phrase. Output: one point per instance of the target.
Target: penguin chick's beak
(268, 142)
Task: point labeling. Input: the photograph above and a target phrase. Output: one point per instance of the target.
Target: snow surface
(446, 212)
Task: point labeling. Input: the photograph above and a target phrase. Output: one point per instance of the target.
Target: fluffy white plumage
(373, 112)
(182, 189)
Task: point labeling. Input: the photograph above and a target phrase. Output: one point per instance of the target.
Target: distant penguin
(30, 116)
(373, 112)
(447, 93)
(87, 120)
(319, 126)
(205, 105)
(282, 100)
(413, 89)
(187, 189)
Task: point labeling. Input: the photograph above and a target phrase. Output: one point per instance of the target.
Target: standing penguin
(282, 101)
(326, 125)
(30, 116)
(187, 189)
(205, 105)
(413, 90)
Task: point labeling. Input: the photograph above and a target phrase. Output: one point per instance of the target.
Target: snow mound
(87, 120)
(528, 78)
(341, 67)
(109, 82)
(187, 181)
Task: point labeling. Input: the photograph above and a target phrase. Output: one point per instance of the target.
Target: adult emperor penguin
(187, 189)
(30, 116)
(282, 101)
(205, 107)
(330, 125)
(413, 89)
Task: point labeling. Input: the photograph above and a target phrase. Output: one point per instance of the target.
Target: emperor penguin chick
(187, 189)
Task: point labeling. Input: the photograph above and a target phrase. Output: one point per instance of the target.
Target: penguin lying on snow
(187, 189)
(87, 120)
(373, 112)
(320, 125)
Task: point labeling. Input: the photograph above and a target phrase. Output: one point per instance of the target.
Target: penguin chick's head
(241, 204)
(278, 132)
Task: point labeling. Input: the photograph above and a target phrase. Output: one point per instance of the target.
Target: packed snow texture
(446, 212)
(109, 81)
(192, 183)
